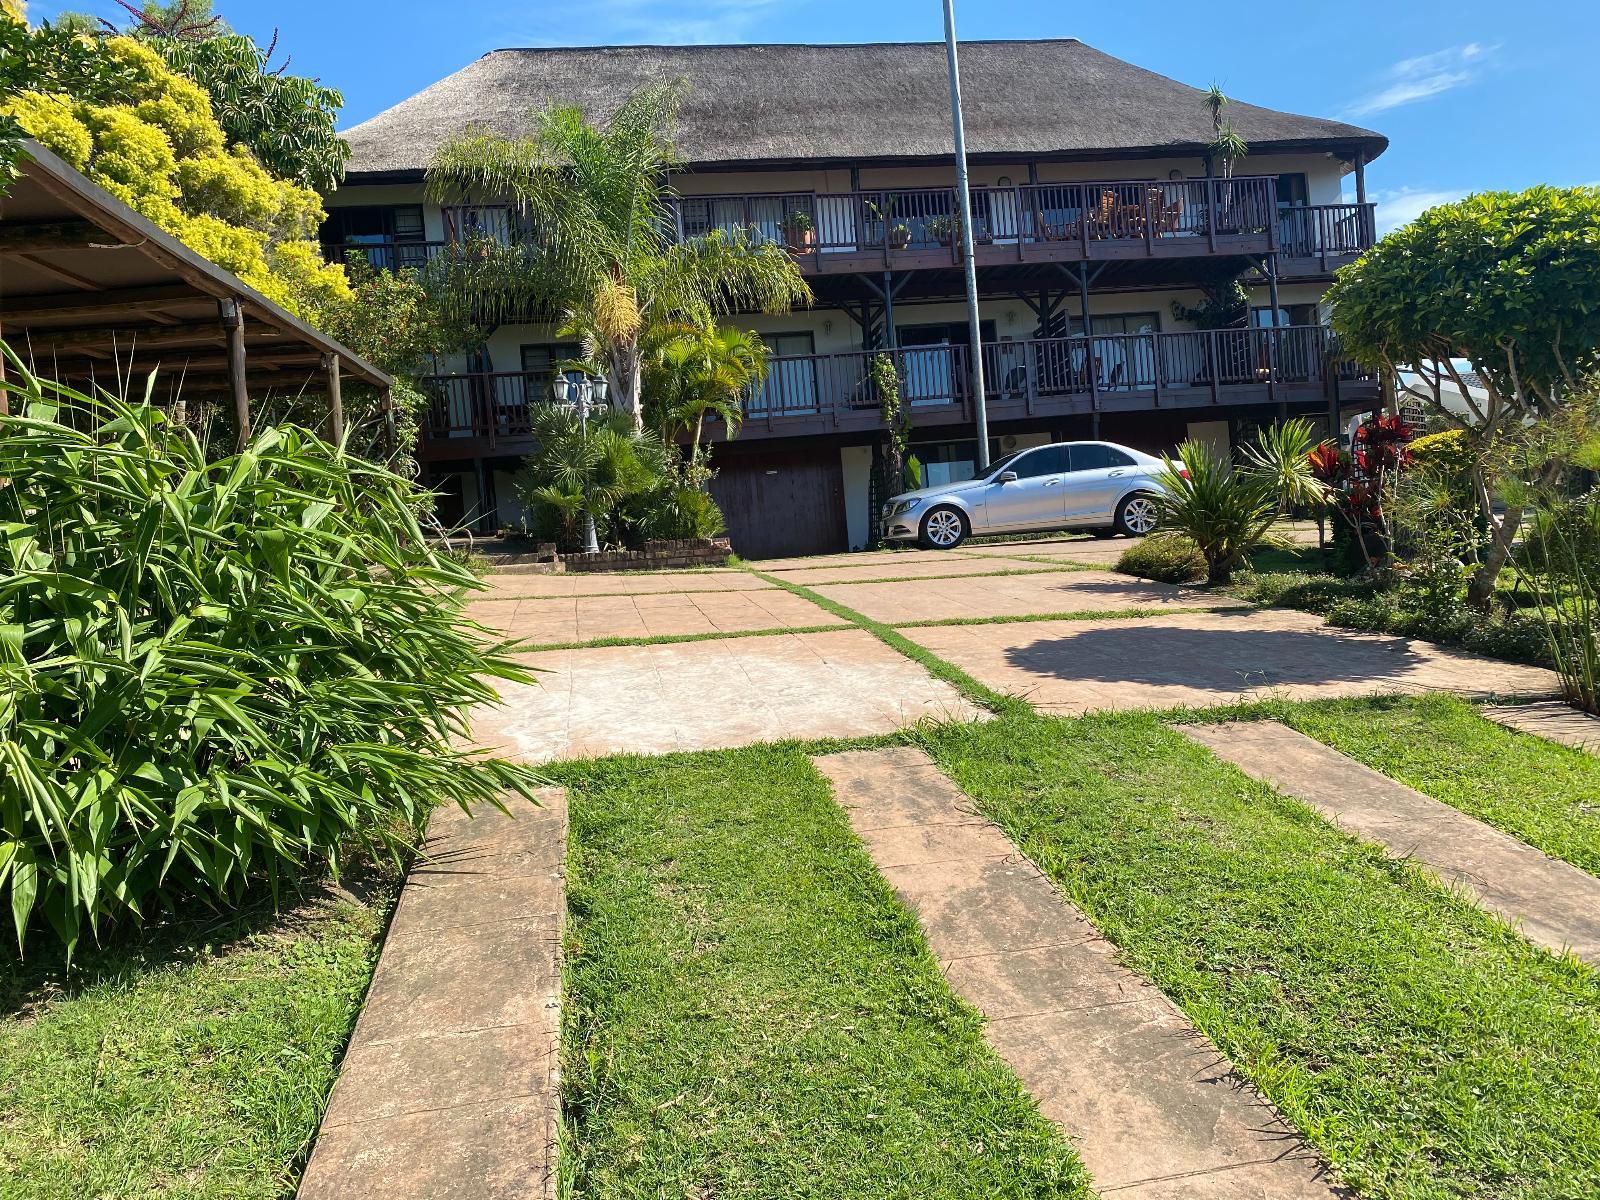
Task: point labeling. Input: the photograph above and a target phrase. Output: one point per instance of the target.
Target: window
(1046, 460)
(394, 233)
(1094, 456)
(1288, 314)
(1292, 190)
(539, 363)
(791, 382)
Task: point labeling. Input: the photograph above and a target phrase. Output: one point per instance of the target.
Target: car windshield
(1000, 464)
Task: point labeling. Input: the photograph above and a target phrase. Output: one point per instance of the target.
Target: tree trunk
(1481, 587)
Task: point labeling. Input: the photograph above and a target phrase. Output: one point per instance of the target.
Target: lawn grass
(193, 1063)
(750, 1013)
(1423, 1046)
(1546, 794)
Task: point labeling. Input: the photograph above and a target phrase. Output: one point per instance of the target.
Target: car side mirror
(1008, 476)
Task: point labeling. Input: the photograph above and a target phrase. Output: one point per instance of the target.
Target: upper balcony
(907, 229)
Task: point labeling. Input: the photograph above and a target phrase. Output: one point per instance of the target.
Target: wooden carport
(92, 291)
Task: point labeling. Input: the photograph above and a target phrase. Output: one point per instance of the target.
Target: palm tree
(694, 371)
(598, 242)
(1227, 147)
(589, 469)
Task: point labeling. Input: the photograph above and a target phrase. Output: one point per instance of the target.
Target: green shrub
(215, 674)
(1165, 558)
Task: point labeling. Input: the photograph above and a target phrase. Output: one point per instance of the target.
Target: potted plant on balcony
(872, 218)
(941, 229)
(899, 236)
(799, 232)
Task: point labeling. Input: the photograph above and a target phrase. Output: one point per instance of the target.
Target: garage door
(784, 504)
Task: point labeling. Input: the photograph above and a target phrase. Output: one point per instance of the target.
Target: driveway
(727, 658)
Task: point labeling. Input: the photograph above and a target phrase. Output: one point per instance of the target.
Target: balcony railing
(924, 220)
(918, 226)
(1188, 367)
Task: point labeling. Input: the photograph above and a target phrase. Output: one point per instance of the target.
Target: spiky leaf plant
(215, 674)
(1226, 511)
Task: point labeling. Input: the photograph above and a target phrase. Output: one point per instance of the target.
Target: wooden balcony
(811, 394)
(915, 228)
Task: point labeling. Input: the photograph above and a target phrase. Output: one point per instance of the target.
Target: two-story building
(1099, 217)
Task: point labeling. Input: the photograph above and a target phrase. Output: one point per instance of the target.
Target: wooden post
(330, 363)
(232, 319)
(386, 407)
(1361, 177)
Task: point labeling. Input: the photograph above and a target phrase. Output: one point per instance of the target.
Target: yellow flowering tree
(159, 148)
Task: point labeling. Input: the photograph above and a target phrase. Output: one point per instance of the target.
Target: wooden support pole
(232, 319)
(330, 363)
(1361, 176)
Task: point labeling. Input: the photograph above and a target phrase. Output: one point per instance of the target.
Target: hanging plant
(886, 382)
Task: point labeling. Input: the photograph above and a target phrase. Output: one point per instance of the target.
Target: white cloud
(1413, 79)
(659, 22)
(1398, 206)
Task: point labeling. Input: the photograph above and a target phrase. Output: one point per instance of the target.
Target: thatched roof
(843, 104)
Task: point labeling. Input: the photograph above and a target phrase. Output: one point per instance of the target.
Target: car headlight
(897, 508)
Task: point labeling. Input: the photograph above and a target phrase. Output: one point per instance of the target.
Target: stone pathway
(450, 1084)
(901, 566)
(713, 695)
(501, 587)
(590, 618)
(1553, 719)
(1012, 596)
(1554, 903)
(1202, 659)
(1152, 1107)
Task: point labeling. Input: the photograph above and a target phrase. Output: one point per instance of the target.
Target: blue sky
(1472, 95)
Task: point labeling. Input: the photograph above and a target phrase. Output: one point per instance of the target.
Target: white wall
(856, 463)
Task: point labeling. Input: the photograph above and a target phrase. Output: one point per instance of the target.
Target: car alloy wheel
(1139, 515)
(943, 528)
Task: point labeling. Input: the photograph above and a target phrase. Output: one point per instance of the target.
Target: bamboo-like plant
(1567, 589)
(215, 673)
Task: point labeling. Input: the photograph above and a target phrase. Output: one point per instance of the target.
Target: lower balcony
(811, 394)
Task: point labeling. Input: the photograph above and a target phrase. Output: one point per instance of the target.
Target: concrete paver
(1553, 719)
(1200, 659)
(713, 694)
(1556, 904)
(1012, 595)
(590, 618)
(450, 1085)
(1151, 1105)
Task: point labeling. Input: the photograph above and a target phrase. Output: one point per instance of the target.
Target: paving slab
(944, 566)
(499, 586)
(1153, 1108)
(450, 1086)
(1553, 719)
(1013, 596)
(712, 695)
(591, 618)
(900, 554)
(1082, 549)
(1197, 659)
(1554, 903)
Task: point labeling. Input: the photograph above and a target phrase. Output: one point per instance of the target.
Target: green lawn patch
(1427, 1049)
(192, 1063)
(1544, 793)
(751, 1014)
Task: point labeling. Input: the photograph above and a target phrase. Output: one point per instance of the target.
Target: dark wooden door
(783, 504)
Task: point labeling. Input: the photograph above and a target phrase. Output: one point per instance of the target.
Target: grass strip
(1546, 794)
(750, 1013)
(1428, 1050)
(1052, 568)
(194, 1061)
(667, 639)
(978, 693)
(1115, 614)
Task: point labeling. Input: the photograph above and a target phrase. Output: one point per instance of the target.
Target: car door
(1034, 499)
(1097, 476)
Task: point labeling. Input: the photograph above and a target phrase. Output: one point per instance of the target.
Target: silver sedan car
(1096, 486)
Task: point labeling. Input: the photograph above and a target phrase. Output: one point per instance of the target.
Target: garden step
(1553, 719)
(1553, 903)
(450, 1086)
(1152, 1107)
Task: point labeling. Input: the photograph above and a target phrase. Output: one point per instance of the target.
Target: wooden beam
(124, 339)
(20, 310)
(27, 237)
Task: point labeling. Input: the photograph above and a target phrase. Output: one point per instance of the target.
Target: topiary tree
(1503, 285)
